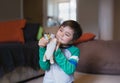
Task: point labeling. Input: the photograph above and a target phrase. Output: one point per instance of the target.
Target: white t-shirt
(56, 75)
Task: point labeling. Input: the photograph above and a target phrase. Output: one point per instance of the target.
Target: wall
(88, 15)
(106, 22)
(18, 9)
(116, 19)
(10, 9)
(33, 11)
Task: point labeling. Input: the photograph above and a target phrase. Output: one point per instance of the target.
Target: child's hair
(75, 26)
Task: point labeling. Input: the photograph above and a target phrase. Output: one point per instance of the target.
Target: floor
(88, 78)
(38, 80)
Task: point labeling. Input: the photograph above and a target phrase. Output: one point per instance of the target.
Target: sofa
(99, 62)
(100, 57)
(19, 51)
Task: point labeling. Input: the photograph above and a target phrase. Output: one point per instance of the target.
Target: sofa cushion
(30, 31)
(11, 31)
(40, 33)
(85, 37)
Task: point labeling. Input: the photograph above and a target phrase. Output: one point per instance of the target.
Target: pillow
(30, 31)
(40, 33)
(13, 23)
(11, 31)
(85, 37)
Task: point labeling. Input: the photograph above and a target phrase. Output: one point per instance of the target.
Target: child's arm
(68, 65)
(42, 43)
(45, 65)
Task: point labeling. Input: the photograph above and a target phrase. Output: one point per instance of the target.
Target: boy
(66, 56)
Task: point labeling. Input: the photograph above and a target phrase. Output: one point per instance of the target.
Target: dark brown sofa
(99, 57)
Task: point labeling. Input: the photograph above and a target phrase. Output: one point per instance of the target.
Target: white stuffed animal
(50, 48)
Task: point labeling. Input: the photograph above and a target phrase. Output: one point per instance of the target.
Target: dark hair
(75, 26)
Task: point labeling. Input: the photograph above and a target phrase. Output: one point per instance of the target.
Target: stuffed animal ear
(47, 36)
(52, 35)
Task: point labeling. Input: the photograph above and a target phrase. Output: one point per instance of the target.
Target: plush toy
(50, 48)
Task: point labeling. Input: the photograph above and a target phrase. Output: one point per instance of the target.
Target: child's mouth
(59, 38)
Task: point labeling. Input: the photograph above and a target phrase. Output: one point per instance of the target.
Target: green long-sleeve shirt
(66, 63)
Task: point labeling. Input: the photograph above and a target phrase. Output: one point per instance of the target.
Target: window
(60, 10)
(67, 10)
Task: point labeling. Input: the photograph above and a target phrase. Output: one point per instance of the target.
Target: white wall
(10, 9)
(106, 19)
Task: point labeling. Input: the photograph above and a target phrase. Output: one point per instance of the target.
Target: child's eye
(68, 35)
(60, 30)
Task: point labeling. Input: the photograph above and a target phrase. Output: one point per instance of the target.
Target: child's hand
(43, 42)
(58, 44)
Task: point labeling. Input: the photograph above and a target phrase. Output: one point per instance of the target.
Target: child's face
(64, 35)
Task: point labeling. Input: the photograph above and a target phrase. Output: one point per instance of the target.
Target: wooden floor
(88, 78)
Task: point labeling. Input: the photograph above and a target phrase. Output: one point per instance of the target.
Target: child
(66, 56)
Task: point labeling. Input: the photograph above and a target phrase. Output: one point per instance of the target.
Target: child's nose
(62, 34)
